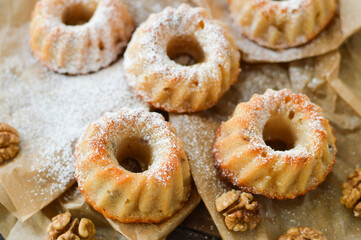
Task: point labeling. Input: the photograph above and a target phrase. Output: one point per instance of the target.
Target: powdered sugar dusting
(157, 191)
(319, 208)
(79, 49)
(113, 128)
(314, 144)
(140, 9)
(50, 111)
(198, 137)
(175, 87)
(289, 5)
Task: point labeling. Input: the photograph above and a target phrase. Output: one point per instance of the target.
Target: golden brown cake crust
(245, 159)
(173, 87)
(282, 24)
(150, 196)
(79, 36)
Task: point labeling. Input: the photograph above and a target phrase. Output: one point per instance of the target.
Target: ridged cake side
(243, 157)
(282, 24)
(173, 87)
(150, 196)
(79, 49)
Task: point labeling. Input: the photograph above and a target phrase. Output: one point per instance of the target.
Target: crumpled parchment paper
(21, 75)
(50, 111)
(318, 209)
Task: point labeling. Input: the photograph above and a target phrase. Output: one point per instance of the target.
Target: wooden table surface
(199, 225)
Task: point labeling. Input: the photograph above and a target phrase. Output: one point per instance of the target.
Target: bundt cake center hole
(78, 14)
(278, 134)
(131, 164)
(134, 155)
(185, 50)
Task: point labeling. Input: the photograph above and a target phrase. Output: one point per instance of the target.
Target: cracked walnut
(9, 142)
(351, 191)
(64, 227)
(240, 211)
(301, 233)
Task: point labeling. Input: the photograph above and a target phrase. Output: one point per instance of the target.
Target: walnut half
(301, 233)
(240, 211)
(9, 142)
(351, 191)
(64, 227)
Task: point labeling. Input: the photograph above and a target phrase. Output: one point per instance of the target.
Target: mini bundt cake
(282, 24)
(152, 71)
(79, 36)
(153, 187)
(278, 144)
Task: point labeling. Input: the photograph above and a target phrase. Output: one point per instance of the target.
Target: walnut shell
(63, 227)
(302, 233)
(240, 211)
(351, 192)
(9, 142)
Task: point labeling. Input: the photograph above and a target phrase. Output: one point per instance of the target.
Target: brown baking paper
(34, 228)
(73, 201)
(7, 222)
(21, 76)
(161, 230)
(348, 84)
(51, 110)
(345, 23)
(318, 209)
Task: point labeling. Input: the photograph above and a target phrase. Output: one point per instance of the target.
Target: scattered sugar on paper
(51, 110)
(141, 9)
(197, 136)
